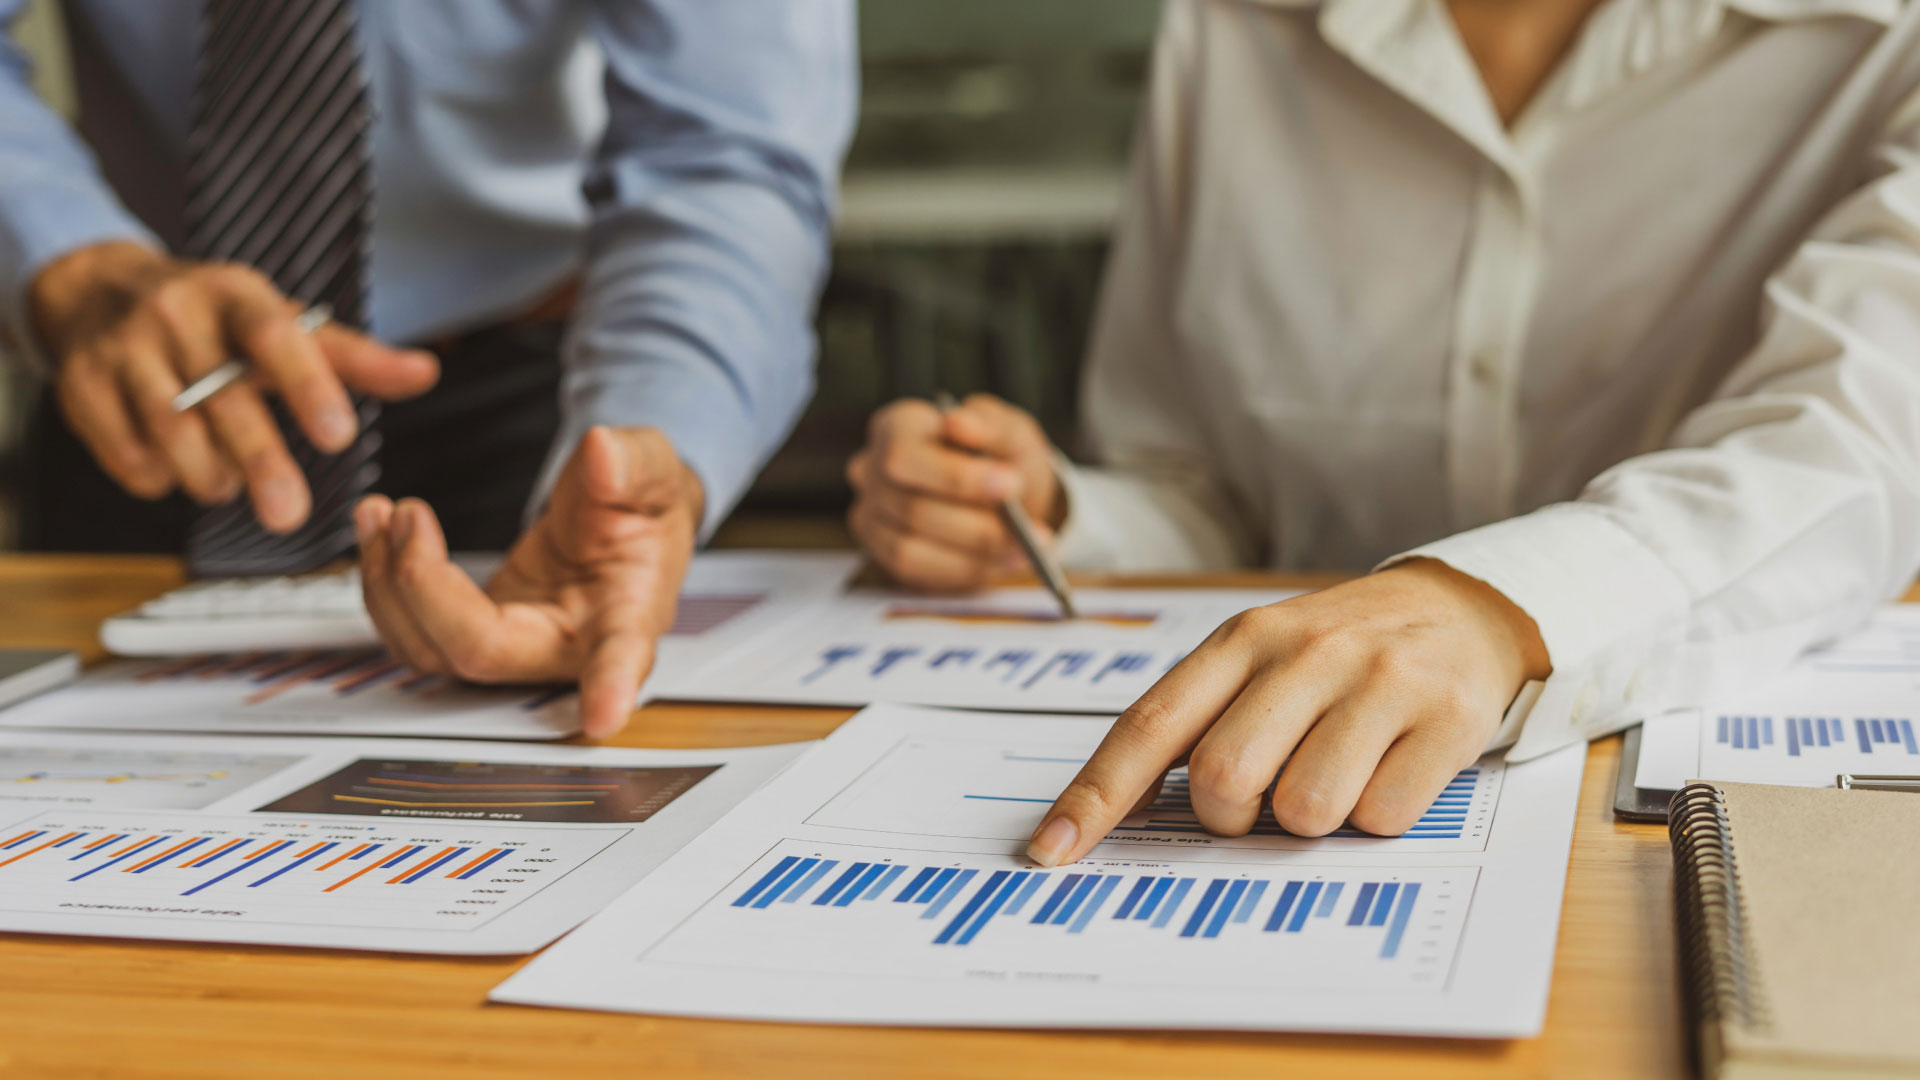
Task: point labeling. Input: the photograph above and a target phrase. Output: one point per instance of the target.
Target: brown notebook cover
(1799, 920)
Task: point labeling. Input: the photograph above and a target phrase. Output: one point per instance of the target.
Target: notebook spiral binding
(1718, 978)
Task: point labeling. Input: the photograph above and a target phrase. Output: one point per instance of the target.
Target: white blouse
(1648, 361)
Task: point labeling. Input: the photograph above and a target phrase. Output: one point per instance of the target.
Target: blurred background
(976, 204)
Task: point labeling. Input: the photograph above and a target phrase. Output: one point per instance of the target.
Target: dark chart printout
(494, 791)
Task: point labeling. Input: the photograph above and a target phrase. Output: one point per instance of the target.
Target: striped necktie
(278, 178)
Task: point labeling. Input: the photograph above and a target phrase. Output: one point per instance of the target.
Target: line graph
(495, 791)
(424, 876)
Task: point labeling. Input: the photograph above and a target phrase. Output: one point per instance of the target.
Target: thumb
(634, 470)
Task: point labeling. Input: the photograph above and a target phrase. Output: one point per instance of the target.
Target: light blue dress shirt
(679, 156)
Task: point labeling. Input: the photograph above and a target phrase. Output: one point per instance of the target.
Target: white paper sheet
(325, 692)
(882, 880)
(403, 845)
(731, 597)
(1669, 751)
(1006, 649)
(1851, 707)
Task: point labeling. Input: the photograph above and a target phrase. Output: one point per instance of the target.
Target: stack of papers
(877, 877)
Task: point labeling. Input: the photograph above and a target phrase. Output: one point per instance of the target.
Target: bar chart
(1806, 749)
(314, 872)
(146, 779)
(260, 678)
(1005, 649)
(702, 612)
(993, 791)
(834, 909)
(310, 692)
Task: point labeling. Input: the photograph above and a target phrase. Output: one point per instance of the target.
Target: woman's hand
(928, 487)
(1372, 695)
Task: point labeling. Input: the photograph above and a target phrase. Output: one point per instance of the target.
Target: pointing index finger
(1147, 739)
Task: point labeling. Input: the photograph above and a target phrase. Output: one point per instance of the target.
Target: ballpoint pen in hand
(226, 374)
(1044, 565)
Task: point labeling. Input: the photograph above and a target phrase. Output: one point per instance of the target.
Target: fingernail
(402, 524)
(280, 502)
(1054, 841)
(336, 426)
(1001, 484)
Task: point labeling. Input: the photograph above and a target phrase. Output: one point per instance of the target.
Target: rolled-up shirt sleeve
(52, 198)
(1781, 511)
(712, 201)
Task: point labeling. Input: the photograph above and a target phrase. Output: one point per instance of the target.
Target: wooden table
(97, 1008)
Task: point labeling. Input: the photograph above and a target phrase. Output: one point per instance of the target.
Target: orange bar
(103, 841)
(405, 870)
(311, 850)
(12, 839)
(410, 850)
(31, 850)
(262, 851)
(156, 858)
(134, 845)
(464, 867)
(344, 855)
(215, 851)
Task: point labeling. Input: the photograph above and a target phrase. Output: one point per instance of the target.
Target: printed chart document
(315, 692)
(411, 846)
(1850, 707)
(882, 879)
(734, 596)
(1005, 649)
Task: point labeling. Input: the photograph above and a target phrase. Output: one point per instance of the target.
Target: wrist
(1505, 622)
(93, 283)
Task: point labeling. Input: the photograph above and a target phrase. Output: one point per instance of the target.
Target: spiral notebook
(1799, 950)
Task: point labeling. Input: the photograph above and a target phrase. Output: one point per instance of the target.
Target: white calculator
(313, 611)
(319, 611)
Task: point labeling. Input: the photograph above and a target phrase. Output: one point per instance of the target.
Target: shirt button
(1484, 368)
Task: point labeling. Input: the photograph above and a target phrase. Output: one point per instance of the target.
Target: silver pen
(228, 373)
(1044, 566)
(1863, 782)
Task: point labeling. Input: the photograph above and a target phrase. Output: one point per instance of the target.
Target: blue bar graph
(1025, 894)
(1159, 892)
(1802, 735)
(1179, 893)
(807, 881)
(964, 904)
(1391, 947)
(1171, 812)
(946, 896)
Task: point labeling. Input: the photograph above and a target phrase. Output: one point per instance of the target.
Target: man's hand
(928, 487)
(585, 594)
(1372, 694)
(128, 328)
